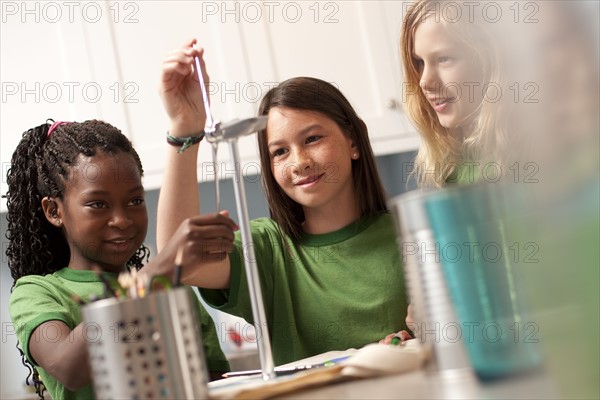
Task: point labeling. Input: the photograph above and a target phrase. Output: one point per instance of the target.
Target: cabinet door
(154, 30)
(251, 47)
(105, 60)
(56, 61)
(352, 44)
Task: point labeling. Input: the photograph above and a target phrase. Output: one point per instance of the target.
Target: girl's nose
(120, 219)
(429, 81)
(302, 161)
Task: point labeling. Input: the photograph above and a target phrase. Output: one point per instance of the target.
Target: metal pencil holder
(146, 348)
(432, 308)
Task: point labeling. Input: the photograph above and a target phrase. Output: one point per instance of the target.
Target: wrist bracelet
(184, 142)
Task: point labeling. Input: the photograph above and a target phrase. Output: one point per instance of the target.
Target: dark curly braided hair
(40, 167)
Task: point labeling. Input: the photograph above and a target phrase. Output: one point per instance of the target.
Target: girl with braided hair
(75, 206)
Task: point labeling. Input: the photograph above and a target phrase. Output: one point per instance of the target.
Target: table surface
(424, 384)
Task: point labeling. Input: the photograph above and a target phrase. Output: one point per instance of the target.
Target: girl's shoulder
(264, 223)
(58, 282)
(36, 280)
(265, 228)
(36, 286)
(384, 218)
(375, 223)
(34, 291)
(266, 233)
(380, 226)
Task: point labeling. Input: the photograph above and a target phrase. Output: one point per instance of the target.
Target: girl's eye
(312, 139)
(419, 64)
(97, 205)
(278, 152)
(443, 59)
(136, 202)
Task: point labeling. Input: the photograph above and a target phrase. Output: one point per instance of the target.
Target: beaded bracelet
(184, 142)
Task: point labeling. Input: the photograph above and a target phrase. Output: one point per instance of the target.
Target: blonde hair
(442, 151)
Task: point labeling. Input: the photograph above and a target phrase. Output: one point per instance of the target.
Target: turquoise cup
(476, 229)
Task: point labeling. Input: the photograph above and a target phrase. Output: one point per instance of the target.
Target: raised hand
(180, 92)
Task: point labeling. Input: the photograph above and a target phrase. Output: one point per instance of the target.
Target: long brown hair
(311, 94)
(441, 151)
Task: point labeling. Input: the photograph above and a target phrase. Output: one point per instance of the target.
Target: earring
(54, 215)
(355, 156)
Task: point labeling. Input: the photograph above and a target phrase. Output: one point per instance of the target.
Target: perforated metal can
(435, 323)
(146, 348)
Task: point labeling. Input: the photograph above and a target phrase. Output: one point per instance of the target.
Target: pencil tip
(179, 256)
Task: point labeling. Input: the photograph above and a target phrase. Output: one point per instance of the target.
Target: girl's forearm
(77, 372)
(178, 198)
(65, 358)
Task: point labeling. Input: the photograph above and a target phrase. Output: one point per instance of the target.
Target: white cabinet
(56, 61)
(352, 44)
(251, 47)
(140, 47)
(106, 58)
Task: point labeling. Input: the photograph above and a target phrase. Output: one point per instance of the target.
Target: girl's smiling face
(311, 158)
(102, 213)
(451, 76)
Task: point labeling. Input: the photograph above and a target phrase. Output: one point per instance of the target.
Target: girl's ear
(354, 150)
(354, 153)
(52, 211)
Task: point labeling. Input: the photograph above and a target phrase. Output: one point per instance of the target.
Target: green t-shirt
(469, 172)
(37, 299)
(332, 291)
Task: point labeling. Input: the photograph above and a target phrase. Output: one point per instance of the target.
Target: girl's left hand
(180, 90)
(404, 335)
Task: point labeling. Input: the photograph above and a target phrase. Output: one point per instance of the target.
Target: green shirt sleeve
(34, 302)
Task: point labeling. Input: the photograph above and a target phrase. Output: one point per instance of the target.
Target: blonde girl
(457, 90)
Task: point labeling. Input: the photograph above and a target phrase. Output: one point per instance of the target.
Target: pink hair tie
(54, 126)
